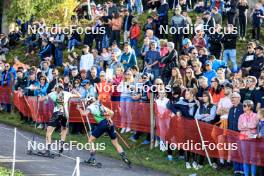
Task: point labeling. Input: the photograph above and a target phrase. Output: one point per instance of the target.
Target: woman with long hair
(206, 112)
(216, 90)
(190, 81)
(125, 100)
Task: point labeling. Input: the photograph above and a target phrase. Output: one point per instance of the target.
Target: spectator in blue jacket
(216, 63)
(152, 60)
(43, 86)
(209, 73)
(128, 58)
(8, 75)
(46, 50)
(219, 4)
(257, 15)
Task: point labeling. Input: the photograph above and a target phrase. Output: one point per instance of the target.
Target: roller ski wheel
(93, 163)
(126, 161)
(46, 154)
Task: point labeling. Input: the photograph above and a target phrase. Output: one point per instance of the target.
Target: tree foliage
(53, 11)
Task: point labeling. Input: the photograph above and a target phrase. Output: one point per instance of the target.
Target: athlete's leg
(64, 131)
(117, 146)
(49, 132)
(92, 159)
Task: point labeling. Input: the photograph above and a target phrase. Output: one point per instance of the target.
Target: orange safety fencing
(5, 94)
(220, 143)
(136, 117)
(38, 108)
(173, 130)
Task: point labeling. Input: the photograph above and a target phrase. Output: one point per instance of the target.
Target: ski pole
(122, 139)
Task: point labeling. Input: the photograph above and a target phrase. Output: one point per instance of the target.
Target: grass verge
(4, 172)
(140, 155)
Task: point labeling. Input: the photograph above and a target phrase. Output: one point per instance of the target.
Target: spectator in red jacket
(134, 35)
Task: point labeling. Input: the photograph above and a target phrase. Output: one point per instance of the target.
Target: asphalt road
(62, 166)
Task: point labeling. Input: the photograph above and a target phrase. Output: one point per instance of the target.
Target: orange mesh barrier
(5, 94)
(220, 143)
(173, 130)
(136, 117)
(21, 104)
(38, 108)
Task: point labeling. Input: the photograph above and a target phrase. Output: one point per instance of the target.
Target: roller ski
(92, 162)
(46, 154)
(125, 159)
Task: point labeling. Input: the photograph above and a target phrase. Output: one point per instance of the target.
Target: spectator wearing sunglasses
(249, 57)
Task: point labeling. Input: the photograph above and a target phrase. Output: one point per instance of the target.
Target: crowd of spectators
(203, 84)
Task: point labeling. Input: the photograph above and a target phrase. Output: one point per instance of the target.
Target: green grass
(140, 155)
(6, 172)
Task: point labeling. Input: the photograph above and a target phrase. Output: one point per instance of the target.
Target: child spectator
(256, 21)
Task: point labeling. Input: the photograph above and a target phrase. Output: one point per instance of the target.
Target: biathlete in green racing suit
(102, 115)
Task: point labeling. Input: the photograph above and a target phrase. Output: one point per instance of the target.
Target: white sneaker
(188, 165)
(156, 143)
(240, 39)
(162, 146)
(122, 130)
(244, 38)
(195, 166)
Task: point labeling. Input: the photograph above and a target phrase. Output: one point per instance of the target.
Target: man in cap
(60, 115)
(102, 116)
(88, 89)
(209, 73)
(258, 63)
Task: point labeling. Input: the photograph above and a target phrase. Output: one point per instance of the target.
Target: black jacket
(215, 42)
(129, 22)
(233, 117)
(171, 60)
(257, 67)
(229, 41)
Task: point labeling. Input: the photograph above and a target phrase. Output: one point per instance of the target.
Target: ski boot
(125, 159)
(92, 162)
